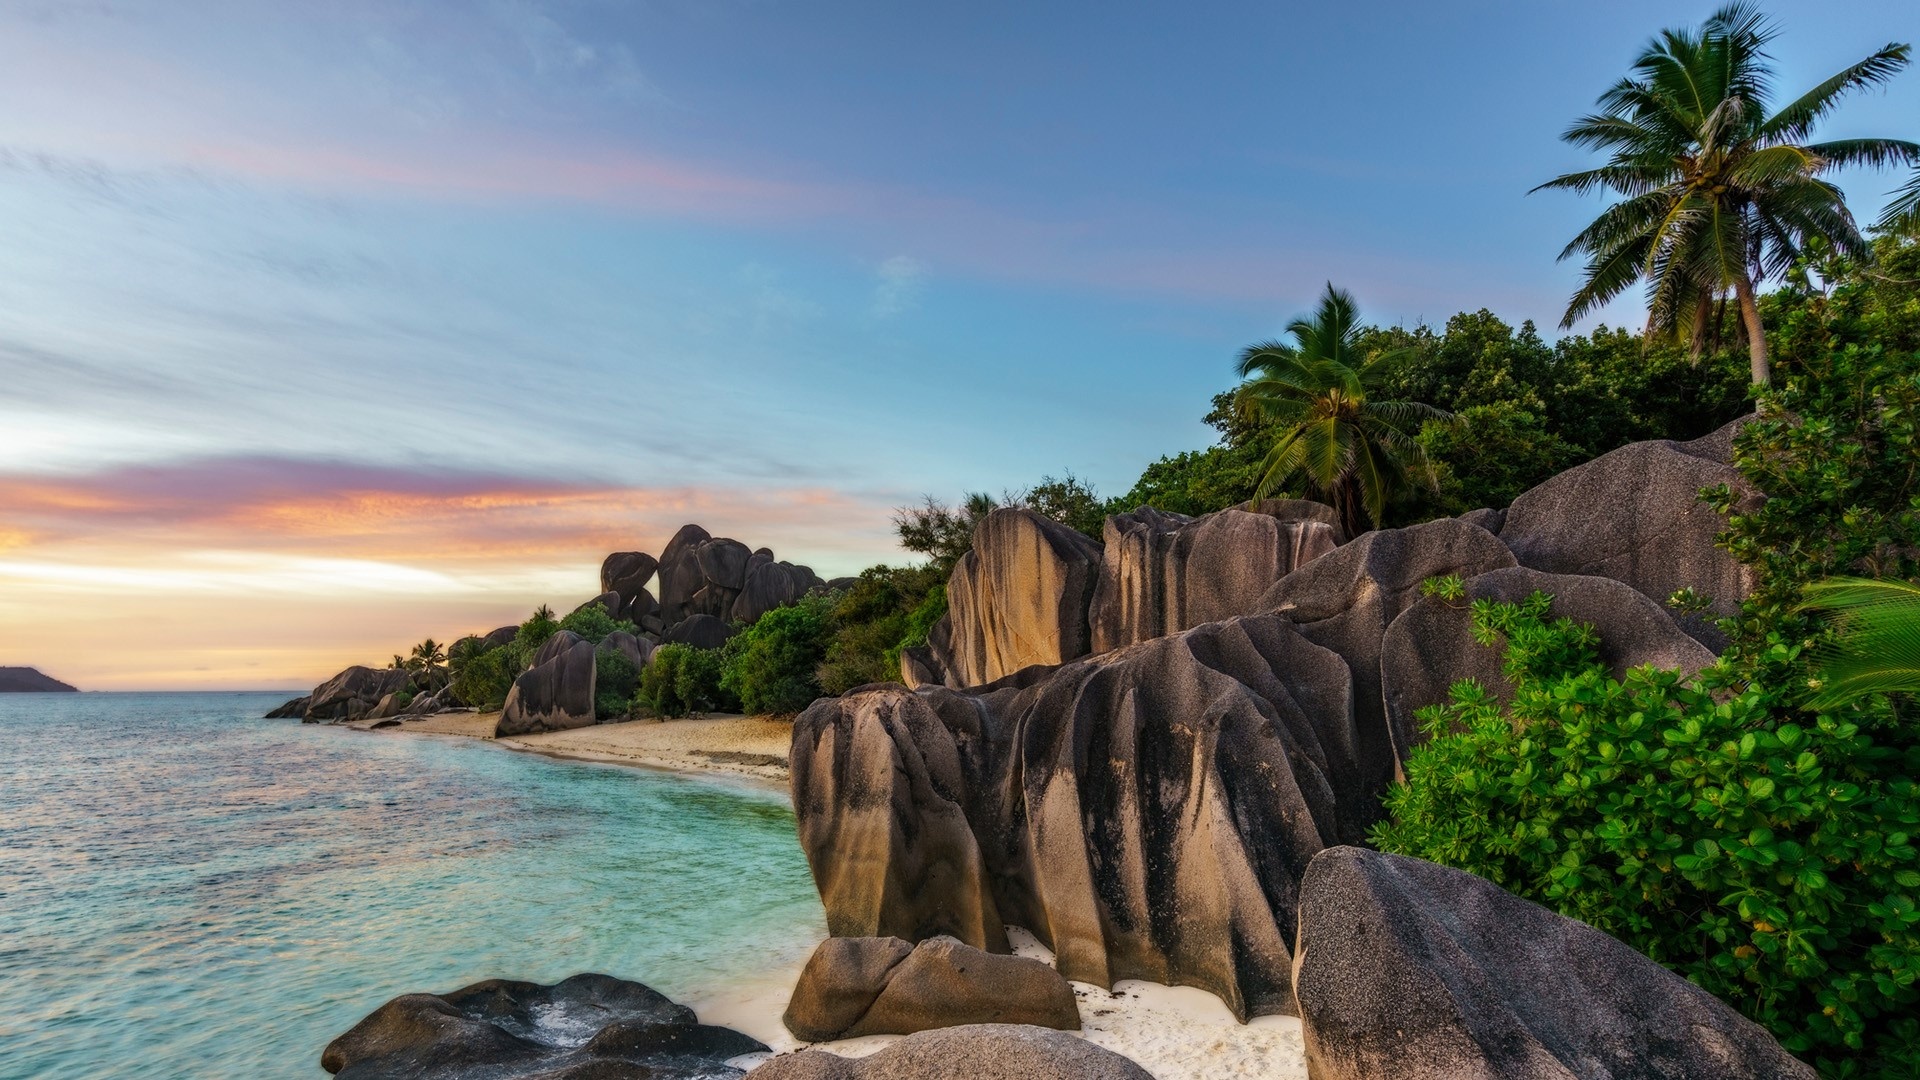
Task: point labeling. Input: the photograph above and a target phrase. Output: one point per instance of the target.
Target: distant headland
(26, 680)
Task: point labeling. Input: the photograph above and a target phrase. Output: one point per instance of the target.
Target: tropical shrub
(772, 666)
(483, 678)
(872, 620)
(1772, 863)
(533, 633)
(594, 624)
(681, 680)
(615, 677)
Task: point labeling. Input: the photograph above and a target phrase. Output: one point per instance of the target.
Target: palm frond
(1875, 642)
(1793, 122)
(1902, 215)
(1872, 153)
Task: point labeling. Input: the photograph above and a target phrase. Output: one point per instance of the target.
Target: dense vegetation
(1754, 831)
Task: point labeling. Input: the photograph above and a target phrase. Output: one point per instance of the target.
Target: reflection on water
(189, 891)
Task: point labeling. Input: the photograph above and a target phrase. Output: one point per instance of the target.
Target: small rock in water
(588, 1025)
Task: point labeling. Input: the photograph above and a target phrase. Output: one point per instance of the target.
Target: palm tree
(1902, 215)
(1718, 194)
(428, 661)
(1875, 647)
(1354, 452)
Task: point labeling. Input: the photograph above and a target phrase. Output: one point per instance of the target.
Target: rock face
(502, 636)
(627, 572)
(1634, 515)
(699, 631)
(717, 577)
(292, 710)
(588, 1027)
(610, 602)
(26, 680)
(1161, 573)
(978, 1052)
(354, 693)
(637, 649)
(1430, 646)
(556, 693)
(768, 585)
(1018, 598)
(1147, 813)
(884, 986)
(1413, 970)
(1345, 601)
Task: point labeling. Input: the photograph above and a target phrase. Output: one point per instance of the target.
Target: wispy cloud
(900, 283)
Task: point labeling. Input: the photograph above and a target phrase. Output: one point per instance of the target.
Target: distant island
(26, 680)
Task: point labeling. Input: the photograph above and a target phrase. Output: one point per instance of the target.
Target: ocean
(187, 890)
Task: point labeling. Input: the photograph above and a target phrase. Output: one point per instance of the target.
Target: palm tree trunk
(1756, 333)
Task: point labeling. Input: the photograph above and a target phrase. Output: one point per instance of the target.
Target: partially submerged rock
(884, 986)
(293, 709)
(354, 693)
(975, 1052)
(588, 1027)
(1420, 972)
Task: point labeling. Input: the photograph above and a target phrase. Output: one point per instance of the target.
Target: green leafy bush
(483, 678)
(1772, 863)
(594, 624)
(772, 665)
(872, 620)
(614, 680)
(527, 640)
(681, 680)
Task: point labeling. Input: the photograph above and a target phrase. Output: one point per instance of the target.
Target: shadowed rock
(1635, 515)
(556, 693)
(609, 602)
(588, 1026)
(1431, 645)
(502, 636)
(636, 649)
(769, 585)
(291, 710)
(640, 607)
(627, 572)
(1146, 812)
(354, 693)
(1420, 972)
(1346, 599)
(976, 1052)
(1018, 598)
(884, 986)
(1161, 573)
(699, 631)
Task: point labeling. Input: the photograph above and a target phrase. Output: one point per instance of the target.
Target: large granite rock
(769, 584)
(589, 1027)
(699, 631)
(680, 575)
(884, 986)
(638, 650)
(354, 693)
(556, 693)
(1346, 599)
(1018, 598)
(701, 574)
(501, 636)
(640, 608)
(1430, 646)
(1161, 573)
(977, 1052)
(610, 602)
(1147, 812)
(1420, 972)
(291, 710)
(1634, 514)
(627, 572)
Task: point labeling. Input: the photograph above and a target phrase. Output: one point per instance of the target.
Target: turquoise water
(187, 890)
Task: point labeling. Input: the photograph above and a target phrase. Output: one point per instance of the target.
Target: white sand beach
(748, 746)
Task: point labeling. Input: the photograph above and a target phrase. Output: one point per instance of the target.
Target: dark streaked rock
(699, 631)
(1020, 597)
(627, 572)
(975, 1052)
(556, 693)
(883, 986)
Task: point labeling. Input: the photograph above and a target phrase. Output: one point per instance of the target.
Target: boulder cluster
(709, 587)
(1136, 750)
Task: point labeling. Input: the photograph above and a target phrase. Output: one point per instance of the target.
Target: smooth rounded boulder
(1408, 969)
(627, 572)
(355, 693)
(556, 693)
(699, 631)
(975, 1052)
(1431, 646)
(883, 986)
(588, 1026)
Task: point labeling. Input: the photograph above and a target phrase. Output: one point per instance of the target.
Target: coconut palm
(1718, 193)
(1356, 453)
(1902, 215)
(1875, 646)
(428, 661)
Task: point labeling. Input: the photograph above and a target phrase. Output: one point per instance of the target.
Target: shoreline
(751, 748)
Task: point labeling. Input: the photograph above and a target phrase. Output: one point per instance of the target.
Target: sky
(328, 327)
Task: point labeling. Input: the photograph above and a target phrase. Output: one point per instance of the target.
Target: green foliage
(681, 680)
(484, 679)
(527, 640)
(772, 666)
(1874, 642)
(1717, 190)
(1331, 428)
(1770, 862)
(1486, 456)
(1069, 501)
(402, 698)
(1448, 588)
(940, 532)
(874, 619)
(615, 678)
(1195, 482)
(594, 624)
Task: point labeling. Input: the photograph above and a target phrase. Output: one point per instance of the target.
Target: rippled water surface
(189, 891)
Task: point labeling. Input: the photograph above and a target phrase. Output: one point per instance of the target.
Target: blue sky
(466, 294)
